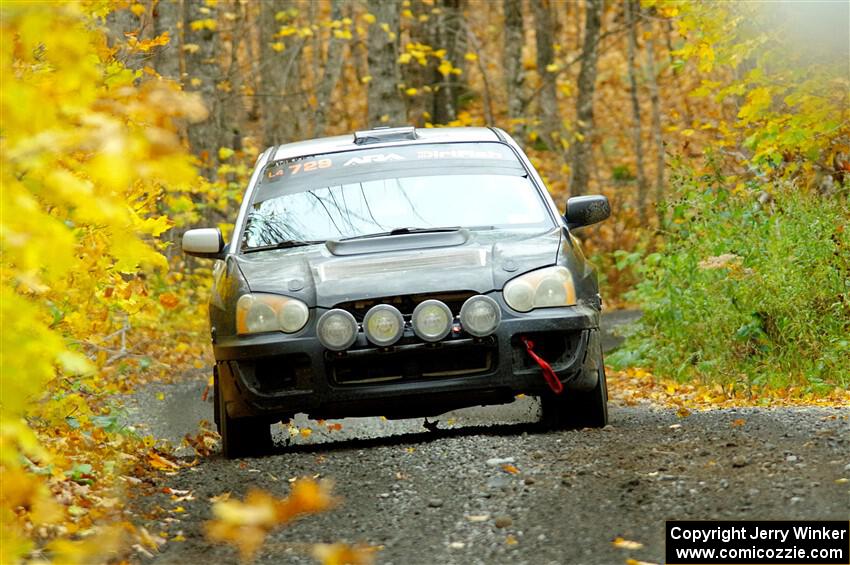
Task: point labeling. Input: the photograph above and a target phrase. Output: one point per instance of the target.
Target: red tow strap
(548, 373)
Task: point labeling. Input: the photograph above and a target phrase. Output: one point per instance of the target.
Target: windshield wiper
(404, 231)
(286, 244)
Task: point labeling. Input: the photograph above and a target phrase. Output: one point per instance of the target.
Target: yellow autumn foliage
(88, 149)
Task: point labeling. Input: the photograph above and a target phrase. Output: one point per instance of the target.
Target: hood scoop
(398, 242)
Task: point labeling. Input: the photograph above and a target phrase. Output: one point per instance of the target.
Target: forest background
(719, 131)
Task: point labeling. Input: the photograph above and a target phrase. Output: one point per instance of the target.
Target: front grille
(407, 303)
(413, 362)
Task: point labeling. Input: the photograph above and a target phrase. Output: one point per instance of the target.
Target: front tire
(576, 409)
(240, 437)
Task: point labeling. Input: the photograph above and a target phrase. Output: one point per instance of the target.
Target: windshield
(367, 192)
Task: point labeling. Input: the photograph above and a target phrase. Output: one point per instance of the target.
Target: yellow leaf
(208, 23)
(278, 46)
(137, 9)
(411, 91)
(225, 153)
(369, 18)
(626, 544)
(470, 57)
(159, 462)
(508, 468)
(342, 554)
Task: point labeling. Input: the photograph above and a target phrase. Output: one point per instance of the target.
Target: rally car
(401, 272)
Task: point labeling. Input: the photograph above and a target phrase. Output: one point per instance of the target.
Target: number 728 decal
(298, 167)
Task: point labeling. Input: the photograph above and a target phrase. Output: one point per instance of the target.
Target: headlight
(544, 288)
(383, 325)
(480, 315)
(337, 329)
(258, 313)
(432, 320)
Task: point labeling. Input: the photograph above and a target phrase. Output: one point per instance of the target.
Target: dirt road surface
(443, 496)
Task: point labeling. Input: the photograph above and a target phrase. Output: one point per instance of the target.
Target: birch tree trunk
(449, 34)
(582, 146)
(631, 23)
(203, 74)
(166, 17)
(232, 115)
(514, 76)
(332, 70)
(544, 32)
(657, 136)
(386, 106)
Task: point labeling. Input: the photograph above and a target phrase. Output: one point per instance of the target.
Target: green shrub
(751, 285)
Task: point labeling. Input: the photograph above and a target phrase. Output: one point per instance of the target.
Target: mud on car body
(404, 273)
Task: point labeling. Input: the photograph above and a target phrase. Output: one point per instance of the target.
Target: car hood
(484, 262)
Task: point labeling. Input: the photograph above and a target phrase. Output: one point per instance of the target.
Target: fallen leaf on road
(478, 518)
(220, 498)
(342, 554)
(508, 468)
(511, 540)
(626, 544)
(636, 562)
(245, 524)
(157, 461)
(739, 422)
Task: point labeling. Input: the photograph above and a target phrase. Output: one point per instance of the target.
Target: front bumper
(278, 376)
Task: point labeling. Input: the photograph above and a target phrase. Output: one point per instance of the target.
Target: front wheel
(240, 437)
(575, 409)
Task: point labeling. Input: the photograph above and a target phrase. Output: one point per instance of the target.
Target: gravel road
(443, 496)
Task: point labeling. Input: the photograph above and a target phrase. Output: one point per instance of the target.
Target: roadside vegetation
(744, 291)
(719, 131)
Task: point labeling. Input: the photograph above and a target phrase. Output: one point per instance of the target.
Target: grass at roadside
(751, 288)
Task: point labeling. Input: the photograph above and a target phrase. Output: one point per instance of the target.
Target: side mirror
(206, 243)
(586, 210)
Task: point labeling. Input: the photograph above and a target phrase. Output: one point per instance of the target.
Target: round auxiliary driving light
(337, 329)
(383, 325)
(432, 320)
(480, 315)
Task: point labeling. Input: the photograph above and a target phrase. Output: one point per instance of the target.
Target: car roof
(415, 136)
